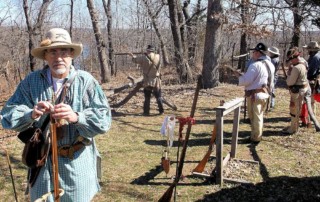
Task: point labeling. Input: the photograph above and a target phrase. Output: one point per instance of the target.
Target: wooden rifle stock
(200, 167)
(168, 194)
(54, 151)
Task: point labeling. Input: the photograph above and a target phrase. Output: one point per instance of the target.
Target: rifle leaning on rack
(168, 194)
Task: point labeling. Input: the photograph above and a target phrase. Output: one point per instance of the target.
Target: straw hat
(274, 50)
(56, 38)
(312, 46)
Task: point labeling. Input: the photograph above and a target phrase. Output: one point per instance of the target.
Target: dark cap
(292, 53)
(150, 48)
(261, 48)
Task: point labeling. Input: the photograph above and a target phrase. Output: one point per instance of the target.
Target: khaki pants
(256, 110)
(296, 101)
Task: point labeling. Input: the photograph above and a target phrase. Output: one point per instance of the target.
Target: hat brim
(275, 53)
(311, 49)
(264, 52)
(39, 52)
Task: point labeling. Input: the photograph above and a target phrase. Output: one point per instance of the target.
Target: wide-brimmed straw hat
(274, 50)
(312, 46)
(56, 38)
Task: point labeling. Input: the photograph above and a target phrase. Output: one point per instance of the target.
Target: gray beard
(60, 71)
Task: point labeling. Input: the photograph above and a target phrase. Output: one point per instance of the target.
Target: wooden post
(235, 131)
(221, 111)
(219, 148)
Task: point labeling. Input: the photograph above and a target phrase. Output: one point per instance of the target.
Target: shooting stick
(10, 169)
(168, 194)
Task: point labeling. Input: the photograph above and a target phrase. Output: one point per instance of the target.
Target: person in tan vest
(299, 90)
(150, 66)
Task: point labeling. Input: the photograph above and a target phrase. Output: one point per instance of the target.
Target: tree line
(192, 36)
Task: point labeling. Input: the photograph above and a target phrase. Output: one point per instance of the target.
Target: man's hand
(41, 108)
(64, 111)
(237, 73)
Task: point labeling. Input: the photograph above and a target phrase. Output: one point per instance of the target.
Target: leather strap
(68, 151)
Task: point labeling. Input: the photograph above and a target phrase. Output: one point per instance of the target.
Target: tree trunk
(34, 30)
(183, 68)
(107, 10)
(243, 40)
(192, 30)
(212, 49)
(297, 20)
(105, 72)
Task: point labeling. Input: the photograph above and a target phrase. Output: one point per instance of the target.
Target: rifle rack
(221, 111)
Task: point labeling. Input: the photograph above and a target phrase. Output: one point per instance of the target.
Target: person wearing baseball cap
(77, 102)
(257, 80)
(299, 90)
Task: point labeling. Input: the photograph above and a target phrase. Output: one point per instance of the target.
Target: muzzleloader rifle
(168, 194)
(202, 164)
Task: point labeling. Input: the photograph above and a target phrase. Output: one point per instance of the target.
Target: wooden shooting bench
(221, 111)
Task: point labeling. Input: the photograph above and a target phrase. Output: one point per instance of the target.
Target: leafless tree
(192, 24)
(71, 17)
(183, 67)
(107, 9)
(153, 14)
(35, 29)
(101, 47)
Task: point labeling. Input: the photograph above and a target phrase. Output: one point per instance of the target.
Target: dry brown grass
(288, 168)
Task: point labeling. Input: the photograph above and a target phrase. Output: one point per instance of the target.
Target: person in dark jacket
(274, 56)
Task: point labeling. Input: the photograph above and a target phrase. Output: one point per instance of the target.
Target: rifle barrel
(127, 53)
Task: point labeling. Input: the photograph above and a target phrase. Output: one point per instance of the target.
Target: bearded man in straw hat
(84, 110)
(299, 90)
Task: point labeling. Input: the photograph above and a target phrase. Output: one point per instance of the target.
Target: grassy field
(280, 168)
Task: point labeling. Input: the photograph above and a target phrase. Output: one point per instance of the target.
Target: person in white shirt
(257, 80)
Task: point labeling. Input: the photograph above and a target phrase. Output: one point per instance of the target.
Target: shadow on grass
(281, 188)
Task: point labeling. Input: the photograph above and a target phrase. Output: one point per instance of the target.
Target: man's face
(255, 55)
(59, 61)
